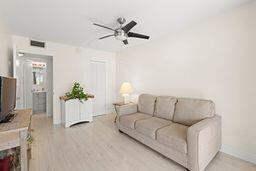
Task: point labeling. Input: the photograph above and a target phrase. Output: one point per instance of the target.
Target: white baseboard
(250, 157)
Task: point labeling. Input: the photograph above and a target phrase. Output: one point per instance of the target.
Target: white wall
(212, 60)
(5, 49)
(71, 64)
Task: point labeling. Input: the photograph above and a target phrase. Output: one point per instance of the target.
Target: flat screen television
(7, 96)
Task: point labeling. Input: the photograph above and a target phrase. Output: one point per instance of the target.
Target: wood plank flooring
(98, 146)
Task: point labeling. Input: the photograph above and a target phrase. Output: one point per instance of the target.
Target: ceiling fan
(123, 32)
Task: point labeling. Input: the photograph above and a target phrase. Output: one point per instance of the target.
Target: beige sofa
(185, 130)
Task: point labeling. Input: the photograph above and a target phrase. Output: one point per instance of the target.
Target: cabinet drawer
(42, 95)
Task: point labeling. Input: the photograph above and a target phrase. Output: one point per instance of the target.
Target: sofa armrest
(204, 141)
(126, 109)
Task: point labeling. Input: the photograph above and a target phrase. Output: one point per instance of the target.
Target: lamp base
(126, 98)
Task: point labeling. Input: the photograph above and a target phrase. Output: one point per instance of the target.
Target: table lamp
(125, 90)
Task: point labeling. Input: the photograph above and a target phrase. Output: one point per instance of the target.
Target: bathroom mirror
(38, 76)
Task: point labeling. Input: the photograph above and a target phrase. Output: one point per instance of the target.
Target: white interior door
(28, 81)
(49, 87)
(98, 78)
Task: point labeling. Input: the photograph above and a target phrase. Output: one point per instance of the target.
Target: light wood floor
(99, 146)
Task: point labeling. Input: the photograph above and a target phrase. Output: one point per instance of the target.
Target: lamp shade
(126, 88)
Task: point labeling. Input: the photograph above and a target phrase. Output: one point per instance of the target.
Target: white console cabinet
(73, 111)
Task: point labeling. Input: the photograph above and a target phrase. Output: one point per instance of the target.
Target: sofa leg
(120, 131)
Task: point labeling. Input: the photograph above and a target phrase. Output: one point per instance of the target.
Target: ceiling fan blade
(125, 42)
(103, 26)
(129, 26)
(131, 34)
(106, 36)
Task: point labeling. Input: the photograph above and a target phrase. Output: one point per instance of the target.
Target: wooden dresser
(14, 134)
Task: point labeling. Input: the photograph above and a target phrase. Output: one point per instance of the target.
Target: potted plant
(76, 106)
(77, 92)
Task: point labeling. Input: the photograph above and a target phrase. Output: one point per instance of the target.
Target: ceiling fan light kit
(122, 33)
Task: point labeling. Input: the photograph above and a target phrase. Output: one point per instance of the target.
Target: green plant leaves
(77, 92)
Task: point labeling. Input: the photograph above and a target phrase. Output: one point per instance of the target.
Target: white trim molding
(250, 157)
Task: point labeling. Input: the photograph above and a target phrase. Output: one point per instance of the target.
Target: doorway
(34, 75)
(98, 83)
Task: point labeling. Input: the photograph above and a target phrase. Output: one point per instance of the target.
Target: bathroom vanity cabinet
(39, 102)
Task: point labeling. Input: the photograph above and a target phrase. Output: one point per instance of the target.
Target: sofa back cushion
(191, 111)
(165, 106)
(146, 104)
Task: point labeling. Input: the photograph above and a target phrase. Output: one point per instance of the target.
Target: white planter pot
(73, 111)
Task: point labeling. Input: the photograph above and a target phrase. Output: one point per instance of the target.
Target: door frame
(51, 57)
(105, 100)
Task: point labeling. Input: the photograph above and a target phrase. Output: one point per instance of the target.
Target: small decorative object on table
(76, 106)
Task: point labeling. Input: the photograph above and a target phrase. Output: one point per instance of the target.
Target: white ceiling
(70, 21)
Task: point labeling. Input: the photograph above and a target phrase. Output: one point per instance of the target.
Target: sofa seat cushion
(190, 111)
(130, 119)
(165, 106)
(146, 104)
(173, 136)
(148, 127)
